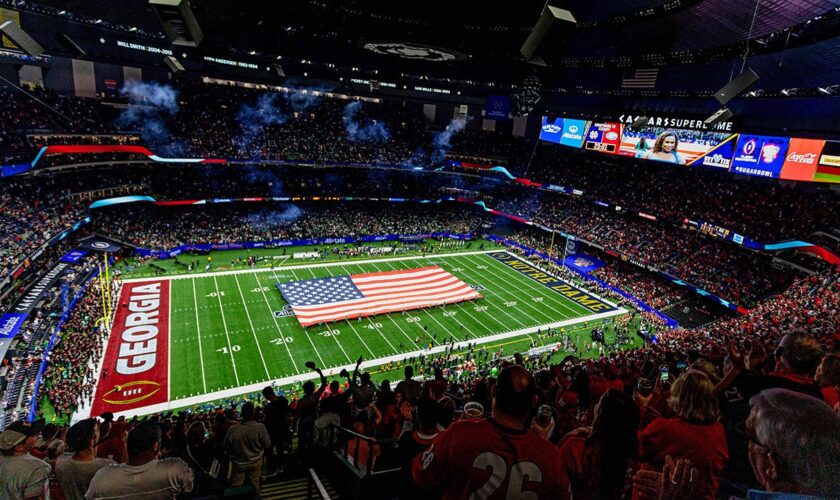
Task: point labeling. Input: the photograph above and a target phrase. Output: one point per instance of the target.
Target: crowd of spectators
(736, 405)
(30, 215)
(166, 228)
(651, 290)
(307, 128)
(70, 374)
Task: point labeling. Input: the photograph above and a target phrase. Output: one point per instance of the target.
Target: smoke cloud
(149, 103)
(363, 130)
(441, 144)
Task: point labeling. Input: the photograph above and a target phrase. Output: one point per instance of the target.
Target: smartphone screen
(663, 373)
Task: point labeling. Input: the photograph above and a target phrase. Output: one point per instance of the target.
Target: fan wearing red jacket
(495, 458)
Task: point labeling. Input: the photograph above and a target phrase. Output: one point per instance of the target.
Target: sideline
(306, 266)
(227, 393)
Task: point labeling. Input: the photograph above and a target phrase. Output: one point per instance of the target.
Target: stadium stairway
(294, 489)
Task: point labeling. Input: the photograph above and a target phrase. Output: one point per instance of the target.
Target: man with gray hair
(794, 445)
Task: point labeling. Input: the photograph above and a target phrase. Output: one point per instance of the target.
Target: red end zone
(136, 366)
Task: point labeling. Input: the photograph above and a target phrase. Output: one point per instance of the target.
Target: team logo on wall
(581, 262)
(407, 50)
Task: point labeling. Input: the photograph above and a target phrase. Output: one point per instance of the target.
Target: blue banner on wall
(583, 263)
(498, 107)
(73, 256)
(10, 324)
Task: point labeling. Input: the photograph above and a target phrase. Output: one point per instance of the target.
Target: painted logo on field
(131, 392)
(135, 368)
(578, 295)
(286, 311)
(477, 288)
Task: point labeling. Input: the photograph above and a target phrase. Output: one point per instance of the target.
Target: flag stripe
(354, 309)
(343, 297)
(640, 78)
(417, 293)
(372, 311)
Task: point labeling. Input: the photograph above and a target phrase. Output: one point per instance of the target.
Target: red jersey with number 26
(479, 459)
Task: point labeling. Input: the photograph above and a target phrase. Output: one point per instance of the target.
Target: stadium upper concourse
(366, 249)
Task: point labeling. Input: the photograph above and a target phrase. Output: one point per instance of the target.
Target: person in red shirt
(828, 378)
(596, 462)
(494, 458)
(695, 434)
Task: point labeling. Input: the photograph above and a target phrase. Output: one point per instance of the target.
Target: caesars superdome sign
(680, 122)
(407, 50)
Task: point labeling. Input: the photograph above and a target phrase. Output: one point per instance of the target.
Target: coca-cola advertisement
(801, 159)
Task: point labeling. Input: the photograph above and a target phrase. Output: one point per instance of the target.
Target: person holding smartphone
(695, 433)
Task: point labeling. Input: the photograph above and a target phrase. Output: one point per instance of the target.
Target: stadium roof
(472, 40)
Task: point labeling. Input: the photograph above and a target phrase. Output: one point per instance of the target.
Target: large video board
(679, 146)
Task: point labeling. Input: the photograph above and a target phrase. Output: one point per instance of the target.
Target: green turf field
(229, 333)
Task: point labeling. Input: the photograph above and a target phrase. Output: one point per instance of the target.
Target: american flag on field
(639, 78)
(322, 300)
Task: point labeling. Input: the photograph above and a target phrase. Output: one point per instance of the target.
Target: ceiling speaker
(720, 115)
(178, 21)
(549, 16)
(174, 64)
(734, 88)
(638, 123)
(22, 39)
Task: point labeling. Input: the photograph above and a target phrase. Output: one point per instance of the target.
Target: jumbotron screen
(679, 146)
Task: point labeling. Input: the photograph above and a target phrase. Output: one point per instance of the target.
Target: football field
(183, 340)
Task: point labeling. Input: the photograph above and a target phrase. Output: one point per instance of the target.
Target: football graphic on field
(131, 392)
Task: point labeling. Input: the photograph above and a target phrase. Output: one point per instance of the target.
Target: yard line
(198, 330)
(349, 322)
(224, 323)
(550, 297)
(306, 333)
(426, 310)
(372, 323)
(492, 316)
(276, 324)
(496, 294)
(398, 325)
(562, 301)
(336, 339)
(254, 332)
(293, 379)
(168, 344)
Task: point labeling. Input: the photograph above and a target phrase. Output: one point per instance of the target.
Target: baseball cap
(644, 387)
(17, 432)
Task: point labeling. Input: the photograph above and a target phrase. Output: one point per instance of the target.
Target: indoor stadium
(350, 249)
